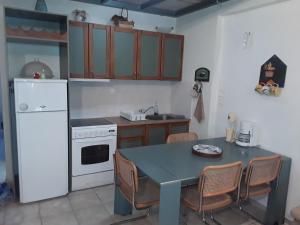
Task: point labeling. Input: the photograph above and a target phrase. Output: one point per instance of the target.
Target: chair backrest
(217, 180)
(181, 137)
(127, 176)
(263, 170)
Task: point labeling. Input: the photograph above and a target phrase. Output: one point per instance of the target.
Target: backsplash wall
(100, 99)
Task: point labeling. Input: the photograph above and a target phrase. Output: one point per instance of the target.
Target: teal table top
(176, 162)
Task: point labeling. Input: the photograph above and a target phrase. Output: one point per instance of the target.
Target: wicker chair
(260, 173)
(181, 137)
(212, 192)
(141, 192)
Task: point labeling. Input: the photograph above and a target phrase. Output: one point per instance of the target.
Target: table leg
(277, 198)
(121, 205)
(169, 207)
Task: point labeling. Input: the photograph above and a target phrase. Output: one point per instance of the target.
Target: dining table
(172, 166)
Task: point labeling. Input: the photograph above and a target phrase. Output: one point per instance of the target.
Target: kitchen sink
(163, 117)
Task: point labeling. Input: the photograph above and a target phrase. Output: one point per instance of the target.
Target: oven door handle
(94, 140)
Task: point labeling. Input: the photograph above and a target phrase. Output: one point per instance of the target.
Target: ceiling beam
(198, 6)
(150, 3)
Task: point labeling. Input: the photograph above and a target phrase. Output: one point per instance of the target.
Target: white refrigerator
(42, 138)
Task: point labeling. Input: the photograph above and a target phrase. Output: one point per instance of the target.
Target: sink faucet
(154, 107)
(146, 110)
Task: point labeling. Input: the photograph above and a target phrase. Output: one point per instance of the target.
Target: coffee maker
(248, 134)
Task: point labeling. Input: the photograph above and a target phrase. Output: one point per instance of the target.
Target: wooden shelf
(36, 35)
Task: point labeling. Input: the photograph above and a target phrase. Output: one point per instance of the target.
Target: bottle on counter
(155, 108)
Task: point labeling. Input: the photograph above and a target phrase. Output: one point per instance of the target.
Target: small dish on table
(207, 150)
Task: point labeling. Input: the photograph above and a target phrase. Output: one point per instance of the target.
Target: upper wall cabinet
(99, 51)
(149, 55)
(172, 56)
(124, 53)
(78, 49)
(89, 50)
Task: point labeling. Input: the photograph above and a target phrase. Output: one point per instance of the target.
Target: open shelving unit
(35, 35)
(34, 30)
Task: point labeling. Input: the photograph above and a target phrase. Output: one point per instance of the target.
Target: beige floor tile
(80, 192)
(85, 200)
(67, 218)
(93, 216)
(27, 221)
(22, 214)
(231, 217)
(106, 193)
(109, 207)
(55, 206)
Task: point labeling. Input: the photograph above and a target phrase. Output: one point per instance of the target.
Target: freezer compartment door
(40, 96)
(42, 155)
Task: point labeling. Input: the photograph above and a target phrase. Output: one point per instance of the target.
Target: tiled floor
(93, 207)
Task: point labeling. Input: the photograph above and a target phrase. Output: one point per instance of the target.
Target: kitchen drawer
(129, 143)
(133, 131)
(176, 128)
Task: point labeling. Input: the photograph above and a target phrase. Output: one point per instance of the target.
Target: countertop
(123, 122)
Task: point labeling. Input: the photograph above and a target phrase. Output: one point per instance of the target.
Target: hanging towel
(199, 110)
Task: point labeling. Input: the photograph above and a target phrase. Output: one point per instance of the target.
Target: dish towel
(199, 110)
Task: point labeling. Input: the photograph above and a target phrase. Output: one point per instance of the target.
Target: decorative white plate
(207, 150)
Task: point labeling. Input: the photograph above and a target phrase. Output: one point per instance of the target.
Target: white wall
(202, 50)
(214, 39)
(100, 99)
(108, 99)
(275, 31)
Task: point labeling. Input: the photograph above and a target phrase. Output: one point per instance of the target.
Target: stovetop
(89, 122)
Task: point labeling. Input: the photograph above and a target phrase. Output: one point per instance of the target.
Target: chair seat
(191, 199)
(147, 195)
(296, 213)
(254, 191)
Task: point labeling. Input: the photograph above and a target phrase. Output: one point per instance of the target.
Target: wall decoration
(41, 5)
(272, 77)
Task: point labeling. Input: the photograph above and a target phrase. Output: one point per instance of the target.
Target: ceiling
(173, 8)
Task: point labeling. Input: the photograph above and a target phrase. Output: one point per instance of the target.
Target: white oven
(92, 155)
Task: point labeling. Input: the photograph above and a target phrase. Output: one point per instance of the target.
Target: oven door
(92, 155)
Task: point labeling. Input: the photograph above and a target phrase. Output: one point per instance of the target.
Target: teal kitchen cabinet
(172, 57)
(99, 51)
(131, 136)
(78, 49)
(124, 53)
(180, 127)
(149, 55)
(157, 134)
(89, 50)
(149, 133)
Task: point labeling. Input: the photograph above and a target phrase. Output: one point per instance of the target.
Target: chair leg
(213, 218)
(204, 218)
(133, 219)
(247, 213)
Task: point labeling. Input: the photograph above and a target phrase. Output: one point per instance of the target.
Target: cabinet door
(149, 55)
(157, 134)
(99, 51)
(130, 142)
(181, 127)
(172, 56)
(124, 54)
(78, 49)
